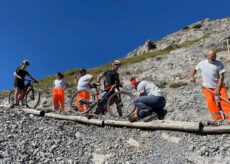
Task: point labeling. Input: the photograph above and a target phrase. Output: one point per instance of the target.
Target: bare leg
(17, 95)
(21, 95)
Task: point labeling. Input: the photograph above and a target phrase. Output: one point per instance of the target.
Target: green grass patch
(69, 75)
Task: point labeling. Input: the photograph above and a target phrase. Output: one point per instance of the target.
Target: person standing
(213, 76)
(111, 77)
(149, 99)
(83, 85)
(59, 87)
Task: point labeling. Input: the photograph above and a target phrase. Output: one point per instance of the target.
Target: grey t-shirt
(210, 72)
(149, 89)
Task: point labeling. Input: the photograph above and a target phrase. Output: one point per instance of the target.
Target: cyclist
(20, 74)
(111, 78)
(83, 84)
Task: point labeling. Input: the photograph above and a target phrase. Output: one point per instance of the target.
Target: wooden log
(216, 129)
(158, 125)
(35, 112)
(81, 119)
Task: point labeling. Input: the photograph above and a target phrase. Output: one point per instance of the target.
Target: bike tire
(125, 104)
(11, 99)
(74, 101)
(32, 98)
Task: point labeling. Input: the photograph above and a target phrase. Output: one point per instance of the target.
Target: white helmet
(117, 62)
(26, 62)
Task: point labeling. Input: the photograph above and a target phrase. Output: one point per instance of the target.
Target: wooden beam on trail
(35, 112)
(158, 125)
(216, 129)
(81, 119)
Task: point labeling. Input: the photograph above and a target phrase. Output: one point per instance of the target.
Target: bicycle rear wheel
(32, 98)
(120, 104)
(82, 101)
(11, 98)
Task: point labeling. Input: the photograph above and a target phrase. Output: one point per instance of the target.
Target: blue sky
(58, 35)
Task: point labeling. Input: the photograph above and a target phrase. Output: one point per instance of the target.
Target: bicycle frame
(108, 90)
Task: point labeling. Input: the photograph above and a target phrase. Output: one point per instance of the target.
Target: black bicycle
(32, 95)
(116, 103)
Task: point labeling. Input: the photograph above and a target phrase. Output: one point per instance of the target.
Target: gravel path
(26, 138)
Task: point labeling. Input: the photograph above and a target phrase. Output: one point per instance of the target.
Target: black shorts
(19, 84)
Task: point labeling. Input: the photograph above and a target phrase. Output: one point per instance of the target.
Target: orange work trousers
(212, 105)
(59, 98)
(83, 96)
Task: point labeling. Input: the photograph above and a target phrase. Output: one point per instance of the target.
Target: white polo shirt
(210, 72)
(149, 89)
(83, 82)
(59, 83)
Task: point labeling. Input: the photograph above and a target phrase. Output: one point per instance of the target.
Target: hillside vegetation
(69, 75)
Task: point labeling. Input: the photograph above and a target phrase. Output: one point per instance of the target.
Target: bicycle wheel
(120, 104)
(11, 99)
(82, 101)
(32, 98)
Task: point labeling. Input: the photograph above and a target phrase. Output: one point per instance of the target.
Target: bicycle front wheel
(11, 98)
(120, 104)
(82, 101)
(32, 98)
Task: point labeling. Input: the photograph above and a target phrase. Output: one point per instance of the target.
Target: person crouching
(150, 99)
(58, 92)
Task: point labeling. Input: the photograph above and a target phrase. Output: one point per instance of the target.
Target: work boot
(161, 115)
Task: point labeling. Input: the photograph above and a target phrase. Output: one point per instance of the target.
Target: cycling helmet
(82, 70)
(117, 62)
(134, 80)
(26, 62)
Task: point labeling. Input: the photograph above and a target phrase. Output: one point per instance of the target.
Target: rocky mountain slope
(26, 138)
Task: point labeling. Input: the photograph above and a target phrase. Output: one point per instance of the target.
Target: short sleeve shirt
(59, 83)
(111, 78)
(21, 72)
(83, 82)
(149, 89)
(210, 72)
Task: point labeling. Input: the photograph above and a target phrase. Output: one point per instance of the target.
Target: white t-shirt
(149, 89)
(59, 83)
(210, 72)
(83, 82)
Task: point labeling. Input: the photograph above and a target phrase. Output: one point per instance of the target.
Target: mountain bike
(31, 98)
(116, 103)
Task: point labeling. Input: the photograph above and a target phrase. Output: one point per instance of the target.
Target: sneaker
(162, 115)
(89, 116)
(14, 105)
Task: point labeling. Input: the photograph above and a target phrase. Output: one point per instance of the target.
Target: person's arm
(16, 75)
(192, 77)
(100, 76)
(220, 80)
(138, 94)
(90, 79)
(75, 79)
(32, 78)
(140, 89)
(219, 85)
(66, 85)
